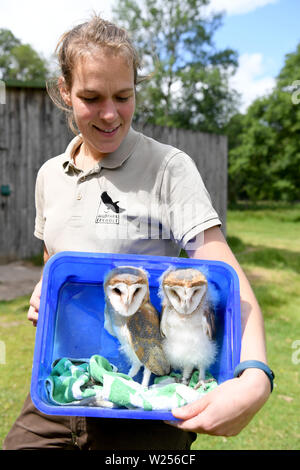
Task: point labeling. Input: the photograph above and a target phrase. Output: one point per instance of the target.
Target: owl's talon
(178, 380)
(184, 381)
(203, 384)
(199, 384)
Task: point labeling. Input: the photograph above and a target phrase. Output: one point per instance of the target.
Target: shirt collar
(112, 160)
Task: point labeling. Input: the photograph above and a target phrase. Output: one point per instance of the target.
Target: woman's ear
(64, 91)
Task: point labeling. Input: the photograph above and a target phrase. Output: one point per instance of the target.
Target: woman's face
(103, 100)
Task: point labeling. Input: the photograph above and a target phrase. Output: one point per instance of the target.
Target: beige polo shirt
(144, 198)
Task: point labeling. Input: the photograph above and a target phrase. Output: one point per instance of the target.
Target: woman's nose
(108, 111)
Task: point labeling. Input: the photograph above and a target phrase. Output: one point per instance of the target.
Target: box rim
(112, 257)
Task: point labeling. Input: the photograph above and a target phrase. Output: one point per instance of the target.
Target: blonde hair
(84, 38)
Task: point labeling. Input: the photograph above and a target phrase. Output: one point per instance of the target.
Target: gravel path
(18, 278)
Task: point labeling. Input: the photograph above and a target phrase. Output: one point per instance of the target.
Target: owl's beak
(127, 300)
(185, 307)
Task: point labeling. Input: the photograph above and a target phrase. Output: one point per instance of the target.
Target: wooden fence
(32, 130)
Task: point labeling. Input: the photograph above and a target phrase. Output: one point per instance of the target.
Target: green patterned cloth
(95, 382)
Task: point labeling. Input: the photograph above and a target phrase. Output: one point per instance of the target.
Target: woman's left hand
(227, 409)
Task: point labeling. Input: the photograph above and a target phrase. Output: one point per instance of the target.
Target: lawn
(266, 241)
(18, 336)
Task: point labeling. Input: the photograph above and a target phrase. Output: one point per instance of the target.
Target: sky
(261, 31)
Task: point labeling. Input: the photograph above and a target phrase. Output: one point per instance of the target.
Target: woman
(111, 171)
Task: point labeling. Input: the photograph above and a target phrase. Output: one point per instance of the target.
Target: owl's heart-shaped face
(185, 299)
(126, 299)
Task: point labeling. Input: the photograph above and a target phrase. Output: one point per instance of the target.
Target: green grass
(18, 335)
(266, 241)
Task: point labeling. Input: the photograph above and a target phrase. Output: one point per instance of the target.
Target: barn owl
(130, 317)
(187, 323)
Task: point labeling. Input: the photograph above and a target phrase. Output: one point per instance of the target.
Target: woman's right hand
(33, 311)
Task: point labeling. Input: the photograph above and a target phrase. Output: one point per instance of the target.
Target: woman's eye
(88, 99)
(122, 99)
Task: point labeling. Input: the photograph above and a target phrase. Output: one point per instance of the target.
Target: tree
(20, 61)
(189, 77)
(7, 43)
(265, 160)
(249, 175)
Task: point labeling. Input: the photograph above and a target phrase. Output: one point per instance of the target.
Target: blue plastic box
(71, 319)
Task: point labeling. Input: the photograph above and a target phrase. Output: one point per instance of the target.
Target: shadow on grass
(19, 305)
(268, 294)
(266, 257)
(269, 298)
(262, 205)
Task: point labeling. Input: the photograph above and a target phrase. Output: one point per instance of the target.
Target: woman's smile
(109, 132)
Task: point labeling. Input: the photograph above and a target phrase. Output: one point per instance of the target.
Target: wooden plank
(32, 130)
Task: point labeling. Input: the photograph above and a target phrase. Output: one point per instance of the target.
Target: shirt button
(79, 196)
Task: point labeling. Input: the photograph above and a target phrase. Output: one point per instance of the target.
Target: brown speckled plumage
(146, 339)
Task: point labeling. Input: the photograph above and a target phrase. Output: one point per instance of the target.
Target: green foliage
(189, 77)
(20, 61)
(264, 157)
(7, 43)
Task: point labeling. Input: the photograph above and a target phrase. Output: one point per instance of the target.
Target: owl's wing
(146, 339)
(209, 316)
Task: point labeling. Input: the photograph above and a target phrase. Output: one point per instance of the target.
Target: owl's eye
(195, 292)
(176, 295)
(137, 290)
(117, 291)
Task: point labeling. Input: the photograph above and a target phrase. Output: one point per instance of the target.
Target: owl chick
(130, 317)
(187, 322)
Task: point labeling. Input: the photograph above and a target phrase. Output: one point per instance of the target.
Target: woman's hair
(86, 38)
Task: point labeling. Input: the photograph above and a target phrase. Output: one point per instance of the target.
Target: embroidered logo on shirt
(108, 211)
